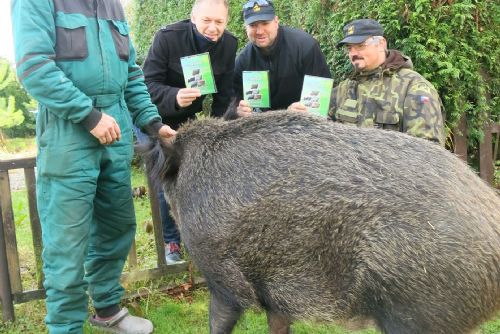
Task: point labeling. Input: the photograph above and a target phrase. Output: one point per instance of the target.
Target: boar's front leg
(223, 315)
(278, 324)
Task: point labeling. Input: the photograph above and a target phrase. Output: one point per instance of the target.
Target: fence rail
(11, 289)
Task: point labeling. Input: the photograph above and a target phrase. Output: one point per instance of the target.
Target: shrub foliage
(16, 118)
(453, 43)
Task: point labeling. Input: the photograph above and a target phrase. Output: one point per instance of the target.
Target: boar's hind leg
(395, 327)
(278, 324)
(223, 315)
(402, 320)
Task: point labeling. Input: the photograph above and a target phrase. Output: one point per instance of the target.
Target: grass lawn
(184, 314)
(188, 315)
(172, 316)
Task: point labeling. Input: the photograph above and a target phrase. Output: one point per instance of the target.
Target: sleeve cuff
(91, 120)
(152, 128)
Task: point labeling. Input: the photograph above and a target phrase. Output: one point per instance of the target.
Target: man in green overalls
(384, 91)
(76, 59)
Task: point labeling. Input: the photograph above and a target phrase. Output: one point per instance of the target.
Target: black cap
(258, 10)
(358, 31)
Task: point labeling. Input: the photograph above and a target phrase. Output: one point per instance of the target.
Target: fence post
(5, 289)
(36, 229)
(460, 136)
(486, 155)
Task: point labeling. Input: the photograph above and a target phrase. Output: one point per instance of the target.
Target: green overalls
(76, 59)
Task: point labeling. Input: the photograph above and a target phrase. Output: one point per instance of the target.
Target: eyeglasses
(252, 3)
(361, 46)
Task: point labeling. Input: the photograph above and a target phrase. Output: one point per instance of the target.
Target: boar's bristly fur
(314, 220)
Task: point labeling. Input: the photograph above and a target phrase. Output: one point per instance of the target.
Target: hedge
(452, 43)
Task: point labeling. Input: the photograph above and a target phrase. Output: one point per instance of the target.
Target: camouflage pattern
(393, 99)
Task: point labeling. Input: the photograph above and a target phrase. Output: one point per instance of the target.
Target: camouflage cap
(358, 31)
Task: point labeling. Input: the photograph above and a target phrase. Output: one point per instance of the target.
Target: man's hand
(243, 109)
(297, 106)
(166, 134)
(107, 130)
(186, 96)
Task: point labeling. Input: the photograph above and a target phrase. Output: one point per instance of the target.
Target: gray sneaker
(173, 253)
(123, 323)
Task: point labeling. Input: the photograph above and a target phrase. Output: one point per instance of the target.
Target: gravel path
(16, 178)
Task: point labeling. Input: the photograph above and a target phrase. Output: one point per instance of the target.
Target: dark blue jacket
(163, 71)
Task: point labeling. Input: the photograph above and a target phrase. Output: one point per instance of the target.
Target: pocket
(348, 112)
(43, 122)
(345, 116)
(71, 37)
(120, 32)
(127, 126)
(387, 120)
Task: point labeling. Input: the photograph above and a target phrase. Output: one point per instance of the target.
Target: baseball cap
(358, 31)
(258, 10)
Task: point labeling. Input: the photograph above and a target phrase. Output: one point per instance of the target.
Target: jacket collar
(394, 61)
(202, 43)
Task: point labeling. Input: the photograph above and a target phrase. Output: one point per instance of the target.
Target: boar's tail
(162, 160)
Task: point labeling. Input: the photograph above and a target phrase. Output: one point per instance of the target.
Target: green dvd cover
(256, 88)
(197, 71)
(316, 92)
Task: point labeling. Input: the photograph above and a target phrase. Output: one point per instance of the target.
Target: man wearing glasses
(288, 54)
(384, 91)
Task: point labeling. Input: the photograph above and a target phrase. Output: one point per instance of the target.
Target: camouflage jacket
(393, 97)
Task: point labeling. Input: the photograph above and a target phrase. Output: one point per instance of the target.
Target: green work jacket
(76, 57)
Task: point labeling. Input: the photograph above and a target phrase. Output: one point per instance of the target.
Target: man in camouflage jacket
(384, 91)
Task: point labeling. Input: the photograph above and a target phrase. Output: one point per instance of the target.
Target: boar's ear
(162, 160)
(231, 113)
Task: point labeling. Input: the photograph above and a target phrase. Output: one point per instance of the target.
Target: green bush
(453, 43)
(16, 106)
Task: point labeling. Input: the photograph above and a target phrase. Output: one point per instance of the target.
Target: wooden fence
(488, 149)
(11, 289)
